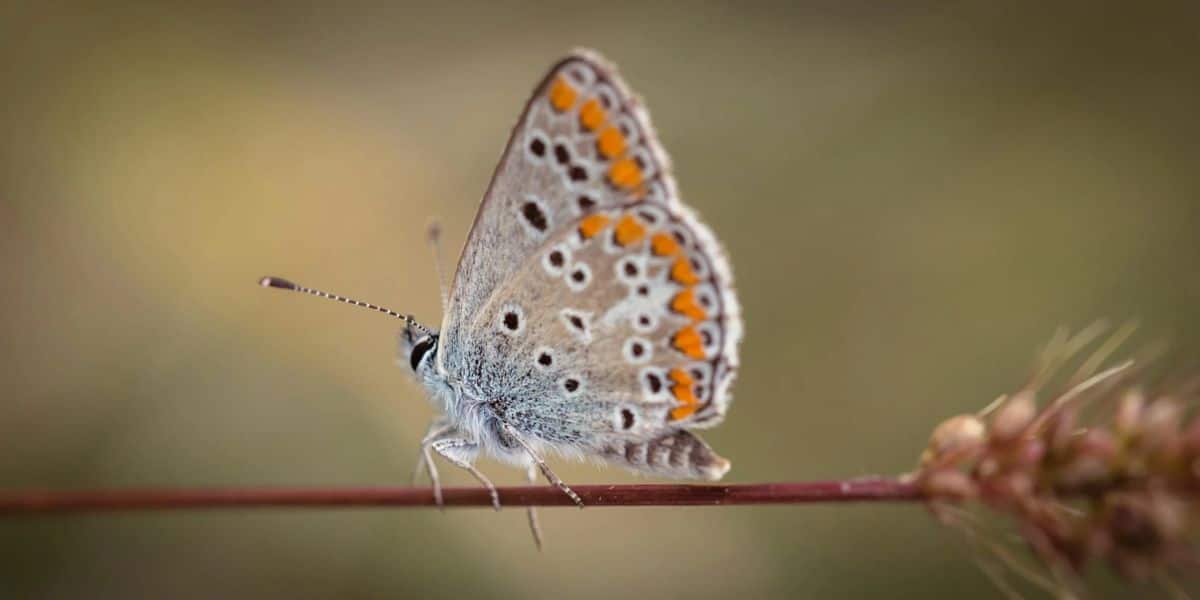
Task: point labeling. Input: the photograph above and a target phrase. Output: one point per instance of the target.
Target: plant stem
(14, 502)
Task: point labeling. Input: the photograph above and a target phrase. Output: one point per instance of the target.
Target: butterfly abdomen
(678, 454)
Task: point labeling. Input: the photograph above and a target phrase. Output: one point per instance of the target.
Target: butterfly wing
(590, 306)
(552, 172)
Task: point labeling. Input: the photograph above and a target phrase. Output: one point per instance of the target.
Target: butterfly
(592, 314)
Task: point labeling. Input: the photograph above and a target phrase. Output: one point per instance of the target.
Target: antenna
(434, 236)
(283, 284)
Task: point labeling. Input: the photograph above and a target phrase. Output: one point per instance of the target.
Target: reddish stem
(51, 501)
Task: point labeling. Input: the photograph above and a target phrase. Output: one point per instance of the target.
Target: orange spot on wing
(685, 303)
(664, 244)
(591, 115)
(682, 272)
(682, 390)
(681, 412)
(611, 143)
(593, 224)
(687, 341)
(625, 173)
(562, 95)
(629, 230)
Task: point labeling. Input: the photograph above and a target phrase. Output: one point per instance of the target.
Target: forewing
(582, 144)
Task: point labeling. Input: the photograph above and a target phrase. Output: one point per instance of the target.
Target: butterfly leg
(534, 527)
(437, 428)
(460, 452)
(541, 464)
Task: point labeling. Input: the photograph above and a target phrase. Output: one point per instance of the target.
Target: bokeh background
(913, 196)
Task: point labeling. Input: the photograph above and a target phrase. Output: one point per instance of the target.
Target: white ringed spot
(511, 320)
(578, 276)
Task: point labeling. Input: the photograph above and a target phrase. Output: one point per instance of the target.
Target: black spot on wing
(534, 216)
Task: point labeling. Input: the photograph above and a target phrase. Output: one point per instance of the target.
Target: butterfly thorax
(464, 407)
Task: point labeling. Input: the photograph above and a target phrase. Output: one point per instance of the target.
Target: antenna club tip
(433, 231)
(276, 282)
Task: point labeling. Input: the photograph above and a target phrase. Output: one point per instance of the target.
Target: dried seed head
(1083, 471)
(1017, 485)
(1014, 416)
(1128, 417)
(1162, 419)
(988, 466)
(1144, 522)
(1086, 479)
(1097, 443)
(950, 484)
(1029, 453)
(1191, 436)
(960, 435)
(1062, 426)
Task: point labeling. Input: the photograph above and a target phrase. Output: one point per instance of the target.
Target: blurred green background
(913, 197)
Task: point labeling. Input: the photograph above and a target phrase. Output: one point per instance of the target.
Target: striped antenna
(283, 284)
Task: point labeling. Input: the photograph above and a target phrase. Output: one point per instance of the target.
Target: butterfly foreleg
(437, 428)
(554, 480)
(461, 452)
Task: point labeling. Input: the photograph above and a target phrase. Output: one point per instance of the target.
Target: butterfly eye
(421, 349)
